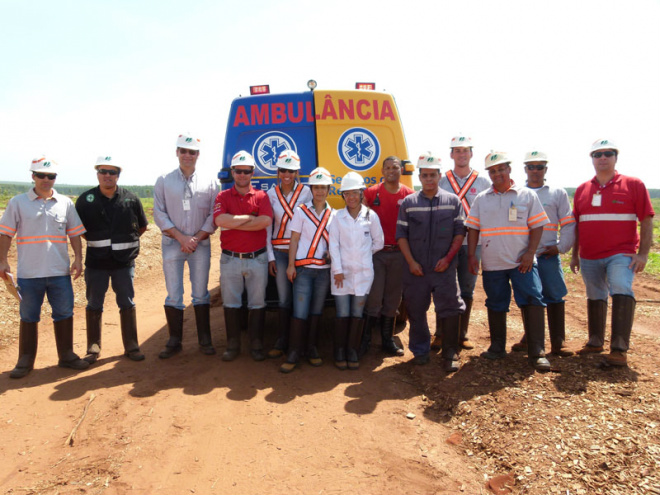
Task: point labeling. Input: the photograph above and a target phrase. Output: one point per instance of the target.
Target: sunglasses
(535, 167)
(608, 154)
(105, 171)
(242, 172)
(40, 175)
(183, 151)
(286, 171)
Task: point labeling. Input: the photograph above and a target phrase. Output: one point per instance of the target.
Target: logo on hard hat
(493, 158)
(269, 147)
(46, 164)
(358, 149)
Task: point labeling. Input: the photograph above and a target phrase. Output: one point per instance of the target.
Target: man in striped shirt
(608, 250)
(510, 221)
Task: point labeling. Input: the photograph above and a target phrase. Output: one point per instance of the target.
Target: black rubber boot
(175, 328)
(387, 336)
(497, 330)
(312, 350)
(28, 338)
(256, 321)
(340, 335)
(296, 344)
(282, 342)
(450, 343)
(203, 321)
(64, 344)
(623, 314)
(463, 340)
(233, 330)
(94, 321)
(365, 341)
(436, 343)
(535, 331)
(128, 321)
(353, 343)
(557, 329)
(596, 320)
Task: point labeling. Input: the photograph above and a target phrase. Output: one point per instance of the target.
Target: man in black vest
(115, 220)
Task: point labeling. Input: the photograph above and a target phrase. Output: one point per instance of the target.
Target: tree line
(13, 188)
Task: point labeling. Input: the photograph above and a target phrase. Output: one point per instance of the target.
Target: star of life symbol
(358, 148)
(268, 148)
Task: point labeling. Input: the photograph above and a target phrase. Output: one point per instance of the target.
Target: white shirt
(352, 244)
(278, 214)
(305, 227)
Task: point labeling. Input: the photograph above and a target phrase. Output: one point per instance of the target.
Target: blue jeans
(526, 288)
(60, 296)
(609, 275)
(284, 287)
(310, 288)
(552, 279)
(466, 280)
(199, 264)
(98, 279)
(237, 275)
(350, 305)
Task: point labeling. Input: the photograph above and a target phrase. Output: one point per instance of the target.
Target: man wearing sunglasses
(183, 210)
(115, 220)
(608, 249)
(41, 219)
(558, 237)
(243, 213)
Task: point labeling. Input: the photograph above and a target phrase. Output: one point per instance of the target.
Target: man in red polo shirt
(243, 213)
(608, 250)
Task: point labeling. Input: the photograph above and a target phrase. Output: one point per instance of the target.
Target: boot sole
(169, 352)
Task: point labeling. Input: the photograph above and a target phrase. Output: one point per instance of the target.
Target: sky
(80, 79)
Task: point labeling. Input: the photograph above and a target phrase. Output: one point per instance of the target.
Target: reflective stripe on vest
(609, 217)
(320, 232)
(279, 239)
(115, 247)
(462, 191)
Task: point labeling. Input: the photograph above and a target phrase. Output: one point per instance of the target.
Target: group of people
(388, 243)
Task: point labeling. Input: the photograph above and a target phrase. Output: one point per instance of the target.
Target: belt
(244, 255)
(391, 247)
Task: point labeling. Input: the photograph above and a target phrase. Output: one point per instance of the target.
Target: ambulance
(341, 130)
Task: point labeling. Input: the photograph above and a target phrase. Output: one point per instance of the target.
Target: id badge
(186, 205)
(597, 200)
(513, 214)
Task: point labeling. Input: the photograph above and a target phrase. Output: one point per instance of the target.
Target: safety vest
(279, 239)
(321, 232)
(462, 191)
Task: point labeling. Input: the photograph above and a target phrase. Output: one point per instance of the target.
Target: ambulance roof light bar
(264, 89)
(369, 86)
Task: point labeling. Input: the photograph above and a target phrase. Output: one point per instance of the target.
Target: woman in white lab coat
(355, 234)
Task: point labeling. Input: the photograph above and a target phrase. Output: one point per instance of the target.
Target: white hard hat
(187, 141)
(535, 156)
(289, 160)
(320, 177)
(603, 144)
(429, 160)
(106, 160)
(242, 158)
(496, 158)
(461, 141)
(351, 182)
(45, 165)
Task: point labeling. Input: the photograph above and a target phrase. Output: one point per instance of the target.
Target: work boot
(233, 330)
(535, 332)
(353, 343)
(497, 330)
(256, 321)
(312, 351)
(128, 321)
(296, 344)
(386, 333)
(94, 321)
(64, 344)
(365, 341)
(174, 318)
(522, 345)
(596, 319)
(340, 334)
(436, 343)
(623, 313)
(28, 338)
(557, 329)
(282, 342)
(450, 342)
(203, 322)
(464, 342)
